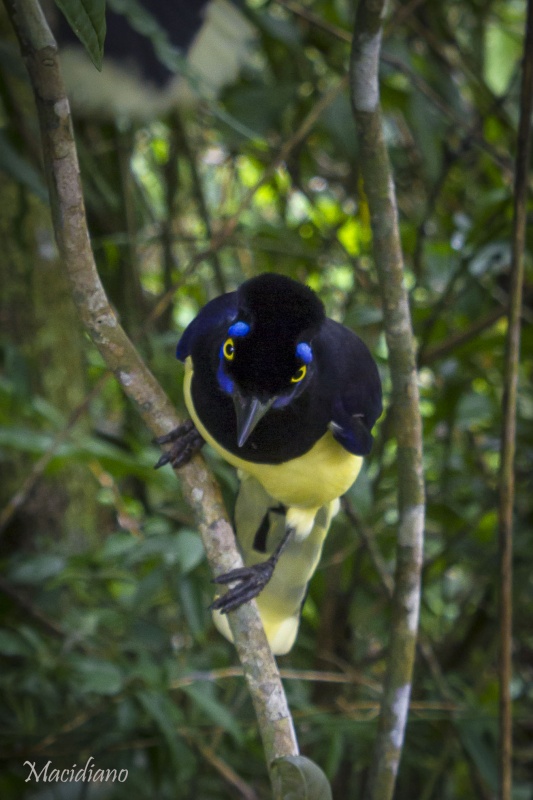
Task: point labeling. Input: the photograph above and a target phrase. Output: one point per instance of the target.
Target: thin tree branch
(49, 625)
(508, 437)
(61, 165)
(224, 769)
(198, 192)
(434, 352)
(379, 188)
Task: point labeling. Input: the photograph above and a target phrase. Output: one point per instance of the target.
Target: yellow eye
(299, 375)
(228, 349)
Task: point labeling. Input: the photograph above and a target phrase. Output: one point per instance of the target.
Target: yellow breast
(322, 474)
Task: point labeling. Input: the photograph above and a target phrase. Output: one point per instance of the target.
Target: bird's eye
(228, 349)
(299, 375)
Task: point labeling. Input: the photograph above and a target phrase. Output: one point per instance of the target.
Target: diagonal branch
(379, 189)
(62, 172)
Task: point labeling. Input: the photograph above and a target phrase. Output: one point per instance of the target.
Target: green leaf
(184, 549)
(87, 20)
(360, 493)
(204, 698)
(37, 569)
(11, 644)
(189, 550)
(299, 778)
(191, 601)
(166, 716)
(479, 737)
(284, 30)
(117, 546)
(96, 675)
(502, 52)
(474, 410)
(20, 169)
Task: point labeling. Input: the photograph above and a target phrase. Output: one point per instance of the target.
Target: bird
(289, 397)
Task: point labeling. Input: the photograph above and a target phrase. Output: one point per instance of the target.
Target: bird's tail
(260, 525)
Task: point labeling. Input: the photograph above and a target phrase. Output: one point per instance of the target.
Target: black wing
(353, 385)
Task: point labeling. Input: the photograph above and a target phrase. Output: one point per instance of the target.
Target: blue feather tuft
(304, 352)
(239, 329)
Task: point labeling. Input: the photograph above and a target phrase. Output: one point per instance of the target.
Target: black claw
(185, 441)
(258, 573)
(250, 582)
(164, 459)
(176, 433)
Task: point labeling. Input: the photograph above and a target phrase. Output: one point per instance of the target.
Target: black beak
(249, 411)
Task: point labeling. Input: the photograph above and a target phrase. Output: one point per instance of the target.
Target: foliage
(106, 645)
(87, 20)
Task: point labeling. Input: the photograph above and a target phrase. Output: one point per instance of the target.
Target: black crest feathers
(281, 313)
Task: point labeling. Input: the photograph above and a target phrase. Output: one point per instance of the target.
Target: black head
(266, 358)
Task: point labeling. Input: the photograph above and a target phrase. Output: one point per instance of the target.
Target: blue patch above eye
(239, 329)
(304, 352)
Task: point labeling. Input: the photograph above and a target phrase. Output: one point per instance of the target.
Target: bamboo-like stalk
(508, 436)
(62, 172)
(380, 193)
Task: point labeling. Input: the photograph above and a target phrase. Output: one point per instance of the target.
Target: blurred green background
(106, 645)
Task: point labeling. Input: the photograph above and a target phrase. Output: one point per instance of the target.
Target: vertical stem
(380, 193)
(508, 438)
(183, 146)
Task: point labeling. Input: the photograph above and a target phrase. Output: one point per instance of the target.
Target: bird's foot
(185, 441)
(250, 582)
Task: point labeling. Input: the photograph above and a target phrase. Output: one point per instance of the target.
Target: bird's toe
(185, 441)
(250, 582)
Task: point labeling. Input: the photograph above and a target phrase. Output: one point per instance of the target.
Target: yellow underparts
(309, 487)
(303, 484)
(280, 602)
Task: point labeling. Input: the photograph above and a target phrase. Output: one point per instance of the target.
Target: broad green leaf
(204, 698)
(87, 20)
(360, 494)
(502, 51)
(11, 644)
(185, 550)
(37, 569)
(284, 30)
(118, 545)
(20, 169)
(189, 550)
(478, 737)
(350, 235)
(96, 675)
(166, 716)
(191, 604)
(299, 778)
(475, 410)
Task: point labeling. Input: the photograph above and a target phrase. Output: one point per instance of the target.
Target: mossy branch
(380, 193)
(200, 490)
